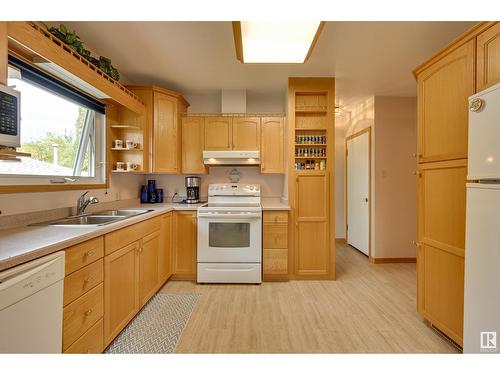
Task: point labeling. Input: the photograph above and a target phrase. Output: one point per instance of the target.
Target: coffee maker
(193, 189)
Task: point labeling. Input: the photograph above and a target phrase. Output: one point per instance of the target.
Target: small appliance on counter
(150, 194)
(193, 189)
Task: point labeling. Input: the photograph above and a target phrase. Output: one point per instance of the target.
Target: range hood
(231, 157)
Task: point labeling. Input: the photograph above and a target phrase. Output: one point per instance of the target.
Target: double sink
(97, 218)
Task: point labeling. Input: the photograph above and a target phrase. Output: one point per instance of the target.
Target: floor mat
(158, 326)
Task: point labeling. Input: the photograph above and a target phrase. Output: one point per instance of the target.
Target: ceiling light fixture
(275, 42)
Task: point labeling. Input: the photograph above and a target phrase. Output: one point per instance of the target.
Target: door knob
(476, 105)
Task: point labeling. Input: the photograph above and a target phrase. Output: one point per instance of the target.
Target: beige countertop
(274, 204)
(22, 244)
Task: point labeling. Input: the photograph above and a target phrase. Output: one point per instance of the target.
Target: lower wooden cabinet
(312, 250)
(83, 298)
(121, 289)
(184, 252)
(148, 267)
(275, 245)
(165, 250)
(441, 245)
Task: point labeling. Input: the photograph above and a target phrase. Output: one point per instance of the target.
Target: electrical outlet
(118, 195)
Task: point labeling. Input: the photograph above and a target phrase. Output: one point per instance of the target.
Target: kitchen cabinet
(218, 133)
(275, 245)
(148, 267)
(312, 226)
(232, 133)
(272, 148)
(185, 237)
(246, 133)
(83, 297)
(488, 57)
(441, 244)
(163, 119)
(193, 138)
(121, 289)
(130, 273)
(165, 251)
(443, 91)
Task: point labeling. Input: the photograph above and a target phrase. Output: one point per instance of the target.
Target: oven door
(229, 238)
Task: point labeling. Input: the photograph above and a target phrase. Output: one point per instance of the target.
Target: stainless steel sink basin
(97, 218)
(87, 220)
(126, 213)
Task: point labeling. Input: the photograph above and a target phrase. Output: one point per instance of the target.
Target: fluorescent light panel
(277, 42)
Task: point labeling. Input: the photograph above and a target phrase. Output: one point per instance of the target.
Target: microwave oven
(10, 118)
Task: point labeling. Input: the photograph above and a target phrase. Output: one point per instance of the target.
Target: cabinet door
(148, 267)
(272, 151)
(166, 137)
(218, 133)
(312, 244)
(185, 245)
(488, 57)
(121, 289)
(165, 252)
(246, 133)
(441, 241)
(443, 91)
(193, 135)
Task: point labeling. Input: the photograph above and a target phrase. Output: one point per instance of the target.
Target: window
(62, 129)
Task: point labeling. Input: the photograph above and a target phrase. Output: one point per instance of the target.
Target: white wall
(256, 102)
(272, 185)
(121, 187)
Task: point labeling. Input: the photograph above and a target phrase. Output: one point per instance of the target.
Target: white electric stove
(230, 235)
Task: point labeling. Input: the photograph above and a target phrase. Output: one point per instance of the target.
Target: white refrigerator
(482, 241)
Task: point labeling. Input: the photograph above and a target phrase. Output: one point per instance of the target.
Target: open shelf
(124, 171)
(126, 149)
(130, 127)
(310, 157)
(311, 144)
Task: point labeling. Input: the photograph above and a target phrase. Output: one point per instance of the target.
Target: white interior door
(358, 187)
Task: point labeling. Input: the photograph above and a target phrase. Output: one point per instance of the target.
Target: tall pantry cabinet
(444, 84)
(311, 177)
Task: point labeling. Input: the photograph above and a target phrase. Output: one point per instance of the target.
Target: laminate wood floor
(370, 308)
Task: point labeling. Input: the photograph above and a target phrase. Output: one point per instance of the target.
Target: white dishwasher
(31, 306)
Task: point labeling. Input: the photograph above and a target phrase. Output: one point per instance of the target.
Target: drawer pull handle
(88, 312)
(88, 253)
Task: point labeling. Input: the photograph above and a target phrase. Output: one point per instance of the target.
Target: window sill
(5, 189)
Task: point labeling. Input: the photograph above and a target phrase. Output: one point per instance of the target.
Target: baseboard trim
(392, 260)
(341, 241)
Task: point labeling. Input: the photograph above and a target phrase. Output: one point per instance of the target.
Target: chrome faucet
(82, 203)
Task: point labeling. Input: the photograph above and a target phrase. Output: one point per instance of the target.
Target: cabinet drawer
(275, 217)
(91, 342)
(81, 314)
(80, 255)
(275, 261)
(122, 237)
(82, 281)
(275, 236)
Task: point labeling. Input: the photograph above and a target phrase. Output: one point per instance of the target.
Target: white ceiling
(198, 58)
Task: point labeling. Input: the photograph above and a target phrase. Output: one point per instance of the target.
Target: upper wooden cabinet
(272, 148)
(218, 133)
(164, 114)
(193, 138)
(246, 133)
(232, 133)
(443, 91)
(488, 57)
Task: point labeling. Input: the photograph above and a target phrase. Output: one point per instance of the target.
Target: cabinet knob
(417, 155)
(366, 199)
(87, 280)
(417, 173)
(88, 253)
(88, 312)
(416, 244)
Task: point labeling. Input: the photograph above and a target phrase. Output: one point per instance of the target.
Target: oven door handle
(230, 216)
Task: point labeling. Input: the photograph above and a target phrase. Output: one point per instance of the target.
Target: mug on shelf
(120, 166)
(132, 166)
(117, 143)
(130, 144)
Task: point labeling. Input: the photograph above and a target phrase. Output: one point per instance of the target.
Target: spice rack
(311, 141)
